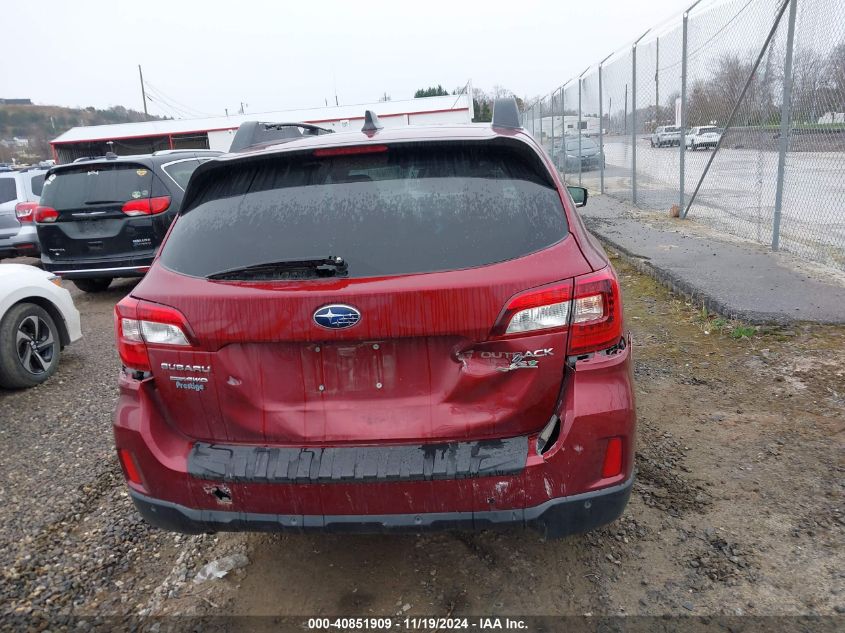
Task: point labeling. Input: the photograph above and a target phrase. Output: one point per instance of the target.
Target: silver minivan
(20, 192)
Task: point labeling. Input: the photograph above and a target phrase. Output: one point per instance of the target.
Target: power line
(177, 105)
(161, 98)
(167, 108)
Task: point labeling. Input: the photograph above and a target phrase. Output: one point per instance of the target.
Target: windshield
(405, 209)
(96, 183)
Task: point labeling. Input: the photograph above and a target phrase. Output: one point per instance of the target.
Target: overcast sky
(207, 56)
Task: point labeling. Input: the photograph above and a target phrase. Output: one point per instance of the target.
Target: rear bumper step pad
(421, 462)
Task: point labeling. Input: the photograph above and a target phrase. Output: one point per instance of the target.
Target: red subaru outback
(390, 329)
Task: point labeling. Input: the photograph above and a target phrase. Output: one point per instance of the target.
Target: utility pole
(143, 92)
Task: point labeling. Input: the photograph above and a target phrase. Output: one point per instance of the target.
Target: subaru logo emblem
(336, 316)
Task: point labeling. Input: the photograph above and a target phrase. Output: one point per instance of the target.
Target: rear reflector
(130, 469)
(612, 458)
(25, 211)
(346, 151)
(46, 215)
(139, 324)
(147, 206)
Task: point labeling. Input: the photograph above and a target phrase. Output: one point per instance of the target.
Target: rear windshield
(8, 190)
(408, 209)
(707, 130)
(96, 184)
(671, 129)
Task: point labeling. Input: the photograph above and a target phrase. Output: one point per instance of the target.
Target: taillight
(596, 313)
(25, 211)
(139, 324)
(45, 215)
(147, 206)
(540, 308)
(589, 307)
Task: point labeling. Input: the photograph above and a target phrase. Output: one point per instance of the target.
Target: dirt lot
(737, 510)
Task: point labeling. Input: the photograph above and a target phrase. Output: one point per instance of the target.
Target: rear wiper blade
(104, 202)
(331, 266)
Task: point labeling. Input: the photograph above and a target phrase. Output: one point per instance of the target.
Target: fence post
(634, 119)
(540, 110)
(682, 145)
(563, 135)
(580, 158)
(601, 128)
(785, 124)
(634, 124)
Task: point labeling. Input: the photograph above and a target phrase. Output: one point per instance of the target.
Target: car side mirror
(579, 195)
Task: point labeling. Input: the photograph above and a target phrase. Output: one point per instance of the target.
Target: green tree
(431, 91)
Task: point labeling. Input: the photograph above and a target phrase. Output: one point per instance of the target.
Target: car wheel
(30, 346)
(652, 143)
(97, 284)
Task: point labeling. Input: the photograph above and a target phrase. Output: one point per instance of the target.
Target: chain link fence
(734, 112)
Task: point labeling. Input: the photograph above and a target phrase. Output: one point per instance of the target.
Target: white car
(37, 320)
(703, 136)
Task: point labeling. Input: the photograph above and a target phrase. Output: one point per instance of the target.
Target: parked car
(104, 218)
(706, 136)
(666, 135)
(567, 157)
(37, 320)
(391, 329)
(19, 195)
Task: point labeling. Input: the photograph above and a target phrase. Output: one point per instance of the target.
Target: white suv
(666, 135)
(20, 192)
(703, 136)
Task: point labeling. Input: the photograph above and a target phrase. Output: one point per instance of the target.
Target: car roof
(405, 134)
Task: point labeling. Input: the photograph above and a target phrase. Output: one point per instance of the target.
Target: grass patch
(743, 331)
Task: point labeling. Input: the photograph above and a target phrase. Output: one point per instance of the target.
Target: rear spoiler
(252, 133)
(506, 114)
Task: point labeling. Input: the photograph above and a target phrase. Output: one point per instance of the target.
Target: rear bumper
(89, 268)
(553, 519)
(23, 243)
(195, 486)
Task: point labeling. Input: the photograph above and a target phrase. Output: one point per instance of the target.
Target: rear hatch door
(89, 199)
(398, 346)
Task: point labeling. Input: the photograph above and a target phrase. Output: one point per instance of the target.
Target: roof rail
(251, 133)
(506, 114)
(371, 123)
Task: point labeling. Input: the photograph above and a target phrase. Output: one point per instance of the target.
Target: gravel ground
(737, 509)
